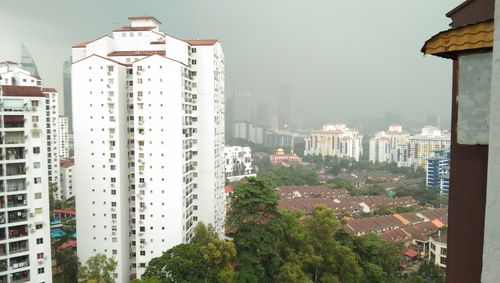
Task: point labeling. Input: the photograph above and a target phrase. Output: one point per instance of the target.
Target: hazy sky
(341, 59)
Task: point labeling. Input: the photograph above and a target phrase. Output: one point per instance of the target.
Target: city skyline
(324, 74)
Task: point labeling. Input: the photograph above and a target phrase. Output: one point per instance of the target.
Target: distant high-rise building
(422, 145)
(229, 117)
(52, 125)
(62, 126)
(27, 61)
(149, 143)
(24, 200)
(67, 166)
(393, 118)
(438, 171)
(335, 140)
(68, 112)
(261, 117)
(386, 146)
(284, 108)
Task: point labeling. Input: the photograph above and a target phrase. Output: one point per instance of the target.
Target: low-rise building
(237, 160)
(284, 159)
(438, 248)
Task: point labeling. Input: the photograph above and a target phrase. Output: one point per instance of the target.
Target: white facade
(389, 146)
(438, 249)
(335, 140)
(24, 195)
(63, 136)
(67, 166)
(421, 146)
(52, 125)
(238, 160)
(149, 143)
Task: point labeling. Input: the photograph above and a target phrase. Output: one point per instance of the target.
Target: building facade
(63, 136)
(149, 145)
(67, 166)
(421, 146)
(24, 196)
(438, 171)
(438, 249)
(280, 157)
(335, 140)
(52, 126)
(388, 146)
(238, 160)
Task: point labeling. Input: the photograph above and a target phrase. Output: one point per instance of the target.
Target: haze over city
(342, 60)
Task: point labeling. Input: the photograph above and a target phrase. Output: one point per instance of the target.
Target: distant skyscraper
(242, 106)
(68, 112)
(229, 116)
(284, 106)
(261, 117)
(27, 61)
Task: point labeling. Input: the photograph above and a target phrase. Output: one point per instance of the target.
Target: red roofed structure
(34, 91)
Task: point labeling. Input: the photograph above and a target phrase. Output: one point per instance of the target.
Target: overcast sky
(341, 59)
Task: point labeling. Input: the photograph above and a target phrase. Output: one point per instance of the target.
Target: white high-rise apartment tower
(63, 136)
(52, 126)
(149, 142)
(24, 196)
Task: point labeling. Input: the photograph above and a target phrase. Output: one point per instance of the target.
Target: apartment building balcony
(18, 247)
(17, 200)
(15, 185)
(3, 250)
(19, 277)
(17, 231)
(14, 169)
(15, 153)
(17, 215)
(19, 262)
(13, 121)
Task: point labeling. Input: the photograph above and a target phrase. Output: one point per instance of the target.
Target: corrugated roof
(472, 37)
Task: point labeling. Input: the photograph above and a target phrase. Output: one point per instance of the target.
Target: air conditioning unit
(139, 98)
(110, 98)
(111, 147)
(113, 184)
(113, 233)
(31, 214)
(142, 184)
(32, 230)
(41, 261)
(33, 108)
(141, 234)
(142, 246)
(111, 160)
(113, 209)
(114, 220)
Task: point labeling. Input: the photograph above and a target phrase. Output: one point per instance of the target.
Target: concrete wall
(491, 248)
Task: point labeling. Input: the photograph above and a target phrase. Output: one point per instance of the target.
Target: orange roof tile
(201, 41)
(49, 89)
(447, 43)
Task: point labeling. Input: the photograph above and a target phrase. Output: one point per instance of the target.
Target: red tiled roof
(410, 252)
(144, 18)
(138, 53)
(49, 89)
(81, 44)
(114, 61)
(9, 90)
(70, 212)
(228, 189)
(201, 41)
(68, 162)
(68, 244)
(134, 29)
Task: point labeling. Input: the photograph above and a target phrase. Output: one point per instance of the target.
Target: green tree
(217, 253)
(182, 264)
(98, 269)
(254, 226)
(310, 250)
(147, 280)
(67, 261)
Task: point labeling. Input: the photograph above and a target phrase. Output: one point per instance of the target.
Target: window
(36, 149)
(113, 167)
(193, 50)
(36, 165)
(41, 270)
(37, 180)
(34, 119)
(38, 210)
(113, 192)
(34, 103)
(139, 80)
(39, 241)
(193, 61)
(110, 68)
(39, 226)
(143, 252)
(39, 256)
